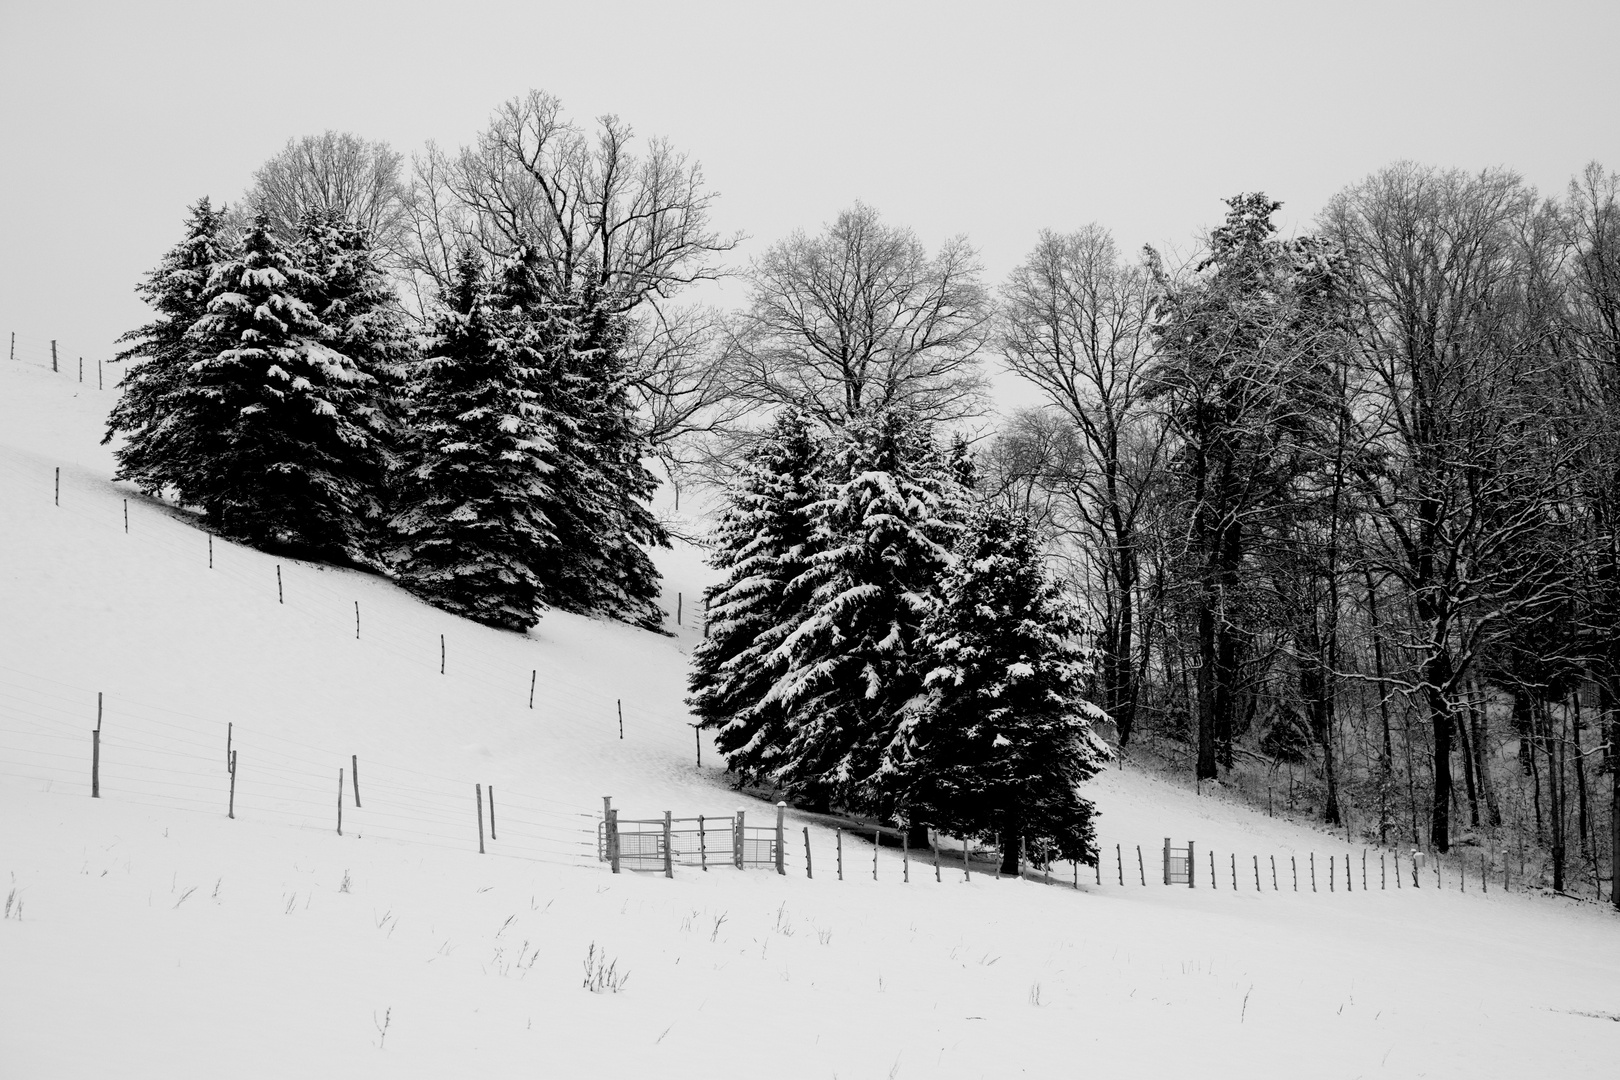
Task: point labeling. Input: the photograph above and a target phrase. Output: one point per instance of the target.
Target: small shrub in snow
(602, 976)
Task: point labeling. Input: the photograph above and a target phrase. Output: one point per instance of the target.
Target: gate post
(1167, 860)
(781, 868)
(1192, 866)
(669, 850)
(737, 848)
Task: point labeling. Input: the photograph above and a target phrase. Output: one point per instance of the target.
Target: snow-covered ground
(146, 934)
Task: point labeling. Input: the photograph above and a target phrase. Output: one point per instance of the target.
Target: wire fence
(153, 756)
(63, 359)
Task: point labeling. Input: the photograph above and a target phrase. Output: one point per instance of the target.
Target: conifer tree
(287, 465)
(884, 529)
(153, 453)
(473, 532)
(761, 544)
(998, 747)
(601, 511)
(361, 319)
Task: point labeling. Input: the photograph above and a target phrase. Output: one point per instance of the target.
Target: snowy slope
(159, 938)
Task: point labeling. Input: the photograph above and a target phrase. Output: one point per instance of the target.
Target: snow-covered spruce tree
(1001, 742)
(289, 462)
(884, 528)
(604, 523)
(760, 544)
(471, 528)
(362, 320)
(156, 451)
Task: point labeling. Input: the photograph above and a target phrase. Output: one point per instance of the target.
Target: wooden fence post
(1363, 869)
(808, 871)
(81, 369)
(231, 808)
(874, 853)
(1192, 865)
(210, 551)
(492, 812)
(781, 841)
(357, 620)
(607, 831)
(53, 354)
(1234, 871)
(967, 867)
(669, 846)
(99, 384)
(839, 838)
(1274, 874)
(354, 777)
(534, 673)
(934, 847)
(59, 485)
(619, 703)
(1141, 870)
(14, 345)
(1257, 873)
(1293, 864)
(340, 802)
(741, 834)
(1214, 882)
(703, 847)
(1313, 871)
(95, 752)
(677, 609)
(1119, 864)
(905, 856)
(126, 517)
(613, 839)
(441, 654)
(281, 597)
(1167, 860)
(478, 791)
(697, 740)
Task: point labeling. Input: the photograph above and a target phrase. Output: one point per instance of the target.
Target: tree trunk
(1477, 721)
(1582, 818)
(1011, 844)
(1206, 692)
(1436, 676)
(1386, 753)
(1468, 771)
(1555, 797)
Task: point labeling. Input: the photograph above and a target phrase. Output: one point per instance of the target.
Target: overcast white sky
(993, 120)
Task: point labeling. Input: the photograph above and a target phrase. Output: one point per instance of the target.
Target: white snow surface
(158, 938)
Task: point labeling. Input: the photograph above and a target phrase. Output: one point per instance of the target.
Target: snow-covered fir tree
(761, 544)
(885, 524)
(603, 488)
(361, 319)
(288, 464)
(998, 747)
(157, 452)
(473, 536)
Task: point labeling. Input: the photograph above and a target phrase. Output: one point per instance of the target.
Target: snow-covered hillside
(147, 934)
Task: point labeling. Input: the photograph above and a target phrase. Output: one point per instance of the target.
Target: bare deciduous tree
(1075, 321)
(340, 172)
(859, 318)
(624, 226)
(1442, 271)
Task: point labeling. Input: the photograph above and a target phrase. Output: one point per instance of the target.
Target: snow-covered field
(146, 934)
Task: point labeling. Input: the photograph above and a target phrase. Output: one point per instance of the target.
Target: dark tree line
(1343, 504)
